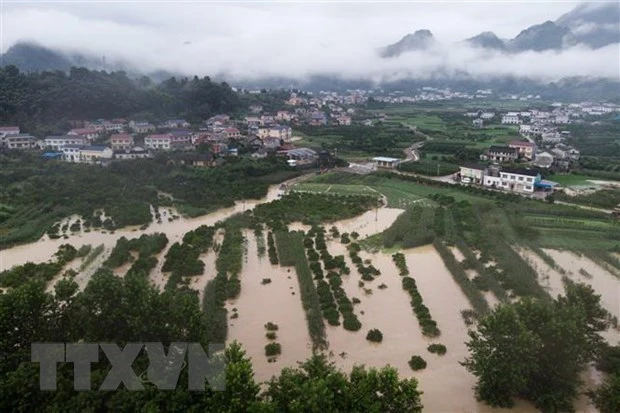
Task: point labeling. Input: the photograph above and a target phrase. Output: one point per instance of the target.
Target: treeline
(129, 310)
(42, 103)
(537, 349)
(312, 209)
(36, 194)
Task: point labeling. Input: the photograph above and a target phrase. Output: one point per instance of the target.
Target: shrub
(382, 287)
(351, 324)
(375, 336)
(271, 335)
(417, 363)
(266, 281)
(273, 349)
(271, 326)
(439, 349)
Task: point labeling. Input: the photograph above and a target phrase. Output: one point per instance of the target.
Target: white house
(158, 142)
(121, 141)
(525, 129)
(18, 141)
(385, 162)
(87, 133)
(141, 127)
(514, 180)
(478, 123)
(57, 142)
(487, 115)
(281, 132)
(9, 130)
(71, 153)
(511, 118)
(473, 173)
(94, 154)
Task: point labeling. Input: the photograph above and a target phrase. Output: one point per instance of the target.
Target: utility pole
(437, 169)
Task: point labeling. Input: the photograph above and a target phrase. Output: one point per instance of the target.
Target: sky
(297, 39)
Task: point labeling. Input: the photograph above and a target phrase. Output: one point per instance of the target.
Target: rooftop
(522, 143)
(502, 149)
(385, 159)
(520, 171)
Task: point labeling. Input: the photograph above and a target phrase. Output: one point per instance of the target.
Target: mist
(257, 40)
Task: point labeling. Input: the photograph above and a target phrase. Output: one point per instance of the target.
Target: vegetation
(399, 260)
(363, 390)
(121, 310)
(271, 326)
(430, 167)
(387, 140)
(417, 363)
(374, 335)
(423, 314)
(37, 196)
(606, 396)
(603, 198)
(536, 349)
(273, 253)
(439, 349)
(273, 349)
(92, 256)
(411, 229)
(291, 249)
(312, 208)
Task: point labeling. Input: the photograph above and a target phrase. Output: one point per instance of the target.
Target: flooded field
(277, 302)
(447, 386)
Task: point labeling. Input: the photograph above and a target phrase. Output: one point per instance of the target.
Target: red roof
(231, 130)
(83, 131)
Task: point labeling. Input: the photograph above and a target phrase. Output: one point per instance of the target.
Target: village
(516, 166)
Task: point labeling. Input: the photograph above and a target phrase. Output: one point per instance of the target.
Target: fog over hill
(251, 42)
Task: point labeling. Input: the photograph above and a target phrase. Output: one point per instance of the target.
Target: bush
(439, 349)
(266, 281)
(375, 336)
(271, 335)
(271, 326)
(351, 324)
(273, 349)
(417, 363)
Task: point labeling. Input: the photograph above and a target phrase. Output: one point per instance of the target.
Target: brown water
(278, 302)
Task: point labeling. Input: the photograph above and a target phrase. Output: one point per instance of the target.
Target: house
(473, 173)
(543, 160)
(562, 119)
(252, 121)
(158, 142)
(568, 151)
(477, 123)
(284, 115)
(231, 133)
(141, 127)
(267, 120)
(344, 120)
(552, 137)
(121, 141)
(131, 153)
(502, 154)
(256, 108)
(318, 119)
(509, 179)
(9, 130)
(385, 162)
(218, 120)
(525, 129)
(176, 123)
(57, 142)
(95, 154)
(218, 147)
(487, 115)
(525, 149)
(281, 132)
(302, 155)
(106, 125)
(271, 142)
(71, 153)
(511, 118)
(86, 133)
(18, 141)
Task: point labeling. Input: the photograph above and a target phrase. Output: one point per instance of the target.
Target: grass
(572, 179)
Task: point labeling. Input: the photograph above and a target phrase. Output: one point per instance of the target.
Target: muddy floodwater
(447, 386)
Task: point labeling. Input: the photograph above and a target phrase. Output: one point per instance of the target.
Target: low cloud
(298, 40)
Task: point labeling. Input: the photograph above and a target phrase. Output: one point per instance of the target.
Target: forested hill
(48, 99)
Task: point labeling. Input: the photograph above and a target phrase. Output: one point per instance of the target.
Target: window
(520, 178)
(529, 179)
(528, 188)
